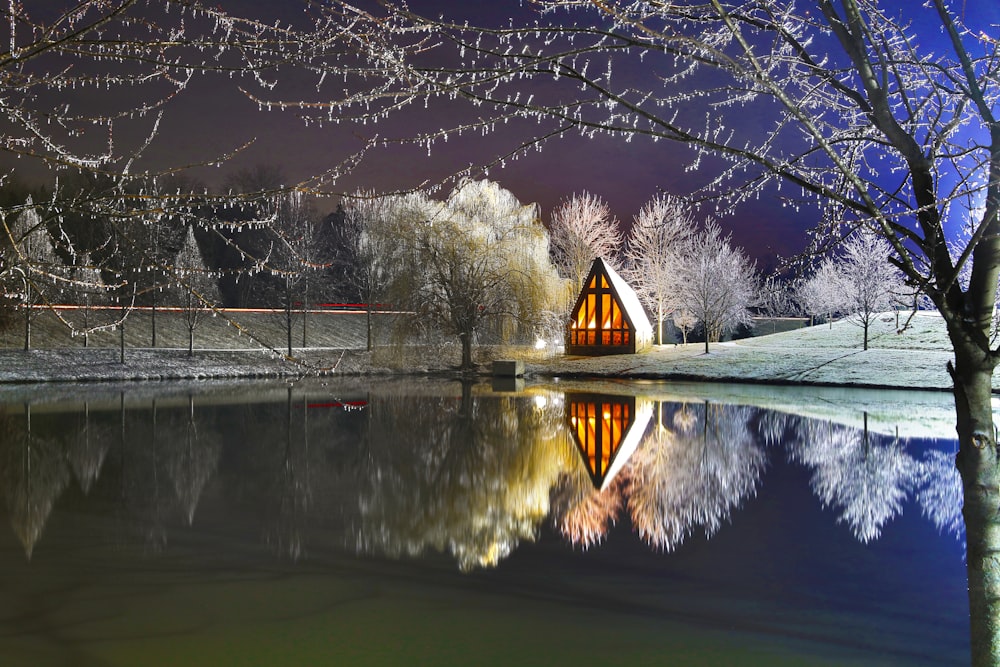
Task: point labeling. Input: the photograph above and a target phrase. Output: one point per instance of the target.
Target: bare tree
(818, 293)
(583, 228)
(718, 283)
(867, 279)
(657, 245)
(196, 286)
(368, 237)
(295, 255)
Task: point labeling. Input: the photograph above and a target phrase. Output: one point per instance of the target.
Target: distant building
(607, 317)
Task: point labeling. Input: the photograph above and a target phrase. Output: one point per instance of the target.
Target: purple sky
(210, 120)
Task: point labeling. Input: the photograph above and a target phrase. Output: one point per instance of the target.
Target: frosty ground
(914, 358)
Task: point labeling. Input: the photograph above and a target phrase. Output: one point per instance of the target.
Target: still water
(431, 523)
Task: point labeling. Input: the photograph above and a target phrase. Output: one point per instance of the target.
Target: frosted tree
(87, 291)
(717, 283)
(776, 299)
(685, 321)
(819, 293)
(30, 262)
(196, 286)
(657, 248)
(368, 238)
(693, 474)
(582, 229)
(477, 262)
(867, 279)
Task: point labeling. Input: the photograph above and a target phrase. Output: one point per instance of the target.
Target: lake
(436, 523)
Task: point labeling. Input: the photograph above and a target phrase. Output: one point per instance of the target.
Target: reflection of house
(606, 430)
(607, 317)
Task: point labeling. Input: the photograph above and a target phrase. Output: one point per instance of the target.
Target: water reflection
(455, 468)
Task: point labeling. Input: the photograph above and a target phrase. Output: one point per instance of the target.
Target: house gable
(607, 317)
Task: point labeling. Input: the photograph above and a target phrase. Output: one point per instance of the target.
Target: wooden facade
(607, 317)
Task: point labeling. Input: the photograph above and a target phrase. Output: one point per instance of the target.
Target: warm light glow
(541, 343)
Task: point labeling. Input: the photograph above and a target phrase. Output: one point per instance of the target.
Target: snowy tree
(30, 262)
(369, 239)
(583, 229)
(819, 293)
(718, 283)
(477, 260)
(657, 247)
(867, 279)
(198, 291)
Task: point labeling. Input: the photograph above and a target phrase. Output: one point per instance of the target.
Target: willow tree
(851, 106)
(474, 264)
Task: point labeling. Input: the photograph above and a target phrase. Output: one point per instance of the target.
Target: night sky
(212, 118)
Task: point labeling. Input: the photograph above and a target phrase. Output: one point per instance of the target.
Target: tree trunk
(466, 351)
(288, 315)
(190, 341)
(368, 324)
(864, 324)
(977, 463)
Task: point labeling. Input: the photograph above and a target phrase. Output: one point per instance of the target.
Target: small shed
(607, 317)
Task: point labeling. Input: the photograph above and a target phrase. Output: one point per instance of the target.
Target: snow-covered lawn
(914, 358)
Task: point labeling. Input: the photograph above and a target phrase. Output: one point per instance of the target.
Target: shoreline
(726, 363)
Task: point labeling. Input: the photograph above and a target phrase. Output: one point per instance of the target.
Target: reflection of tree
(695, 475)
(470, 476)
(867, 480)
(86, 449)
(582, 513)
(940, 494)
(294, 489)
(144, 501)
(192, 454)
(34, 473)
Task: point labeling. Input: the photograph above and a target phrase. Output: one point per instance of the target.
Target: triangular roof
(635, 334)
(626, 296)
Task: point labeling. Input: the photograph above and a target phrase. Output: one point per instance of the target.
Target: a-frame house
(607, 317)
